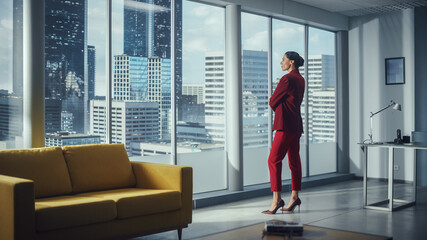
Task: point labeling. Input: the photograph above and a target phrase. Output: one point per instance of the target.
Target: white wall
(373, 38)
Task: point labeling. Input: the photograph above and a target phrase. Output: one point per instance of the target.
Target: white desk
(391, 200)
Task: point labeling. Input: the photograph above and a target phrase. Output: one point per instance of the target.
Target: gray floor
(337, 206)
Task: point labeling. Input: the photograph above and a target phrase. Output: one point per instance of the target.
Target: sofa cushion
(133, 202)
(45, 166)
(69, 211)
(98, 166)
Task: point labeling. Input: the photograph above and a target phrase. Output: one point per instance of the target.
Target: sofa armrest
(164, 176)
(17, 220)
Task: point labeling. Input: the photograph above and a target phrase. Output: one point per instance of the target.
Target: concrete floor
(336, 206)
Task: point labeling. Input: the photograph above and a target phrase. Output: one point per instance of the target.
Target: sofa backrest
(98, 166)
(45, 166)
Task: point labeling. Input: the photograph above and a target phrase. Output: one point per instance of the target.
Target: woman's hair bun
(298, 60)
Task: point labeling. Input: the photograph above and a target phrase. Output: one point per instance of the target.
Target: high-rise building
(130, 81)
(159, 90)
(67, 121)
(321, 98)
(214, 97)
(323, 114)
(190, 110)
(91, 60)
(145, 79)
(255, 98)
(132, 121)
(52, 123)
(89, 83)
(147, 33)
(10, 117)
(195, 90)
(254, 94)
(66, 55)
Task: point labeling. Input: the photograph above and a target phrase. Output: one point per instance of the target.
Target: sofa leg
(179, 233)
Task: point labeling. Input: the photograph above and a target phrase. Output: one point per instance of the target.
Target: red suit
(286, 104)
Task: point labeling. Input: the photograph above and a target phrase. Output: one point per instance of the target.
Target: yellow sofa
(90, 192)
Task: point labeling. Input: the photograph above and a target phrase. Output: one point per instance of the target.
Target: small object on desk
(406, 139)
(398, 140)
(283, 228)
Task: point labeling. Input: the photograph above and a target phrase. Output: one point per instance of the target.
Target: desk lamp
(395, 106)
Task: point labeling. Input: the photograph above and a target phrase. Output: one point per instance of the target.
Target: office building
(53, 115)
(321, 98)
(254, 94)
(255, 98)
(147, 32)
(70, 138)
(195, 90)
(10, 117)
(132, 121)
(66, 55)
(214, 97)
(89, 83)
(192, 132)
(190, 110)
(67, 121)
(145, 79)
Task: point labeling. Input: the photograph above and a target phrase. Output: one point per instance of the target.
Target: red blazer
(286, 102)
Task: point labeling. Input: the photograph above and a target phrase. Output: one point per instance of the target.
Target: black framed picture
(395, 71)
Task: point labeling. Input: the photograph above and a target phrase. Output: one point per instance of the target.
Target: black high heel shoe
(279, 205)
(291, 208)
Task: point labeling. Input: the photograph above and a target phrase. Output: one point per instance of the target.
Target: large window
(11, 73)
(201, 106)
(321, 101)
(255, 97)
(289, 37)
(145, 77)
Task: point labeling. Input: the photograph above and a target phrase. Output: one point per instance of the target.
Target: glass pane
(289, 37)
(141, 86)
(255, 97)
(321, 101)
(201, 118)
(70, 63)
(12, 74)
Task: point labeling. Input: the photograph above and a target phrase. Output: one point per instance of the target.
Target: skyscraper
(214, 97)
(321, 97)
(65, 55)
(147, 32)
(145, 79)
(89, 83)
(254, 94)
(255, 98)
(132, 121)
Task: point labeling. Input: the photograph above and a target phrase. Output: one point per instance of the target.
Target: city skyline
(198, 37)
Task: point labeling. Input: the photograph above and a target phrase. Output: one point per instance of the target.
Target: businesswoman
(286, 103)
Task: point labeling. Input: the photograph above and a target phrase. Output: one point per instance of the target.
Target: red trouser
(285, 142)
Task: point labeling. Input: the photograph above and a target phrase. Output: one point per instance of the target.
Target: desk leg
(365, 176)
(415, 176)
(390, 176)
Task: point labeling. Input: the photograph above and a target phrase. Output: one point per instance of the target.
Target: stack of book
(278, 227)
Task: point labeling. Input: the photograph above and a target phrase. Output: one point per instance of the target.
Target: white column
(109, 70)
(233, 97)
(33, 82)
(173, 86)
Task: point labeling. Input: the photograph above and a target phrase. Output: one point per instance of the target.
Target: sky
(203, 31)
